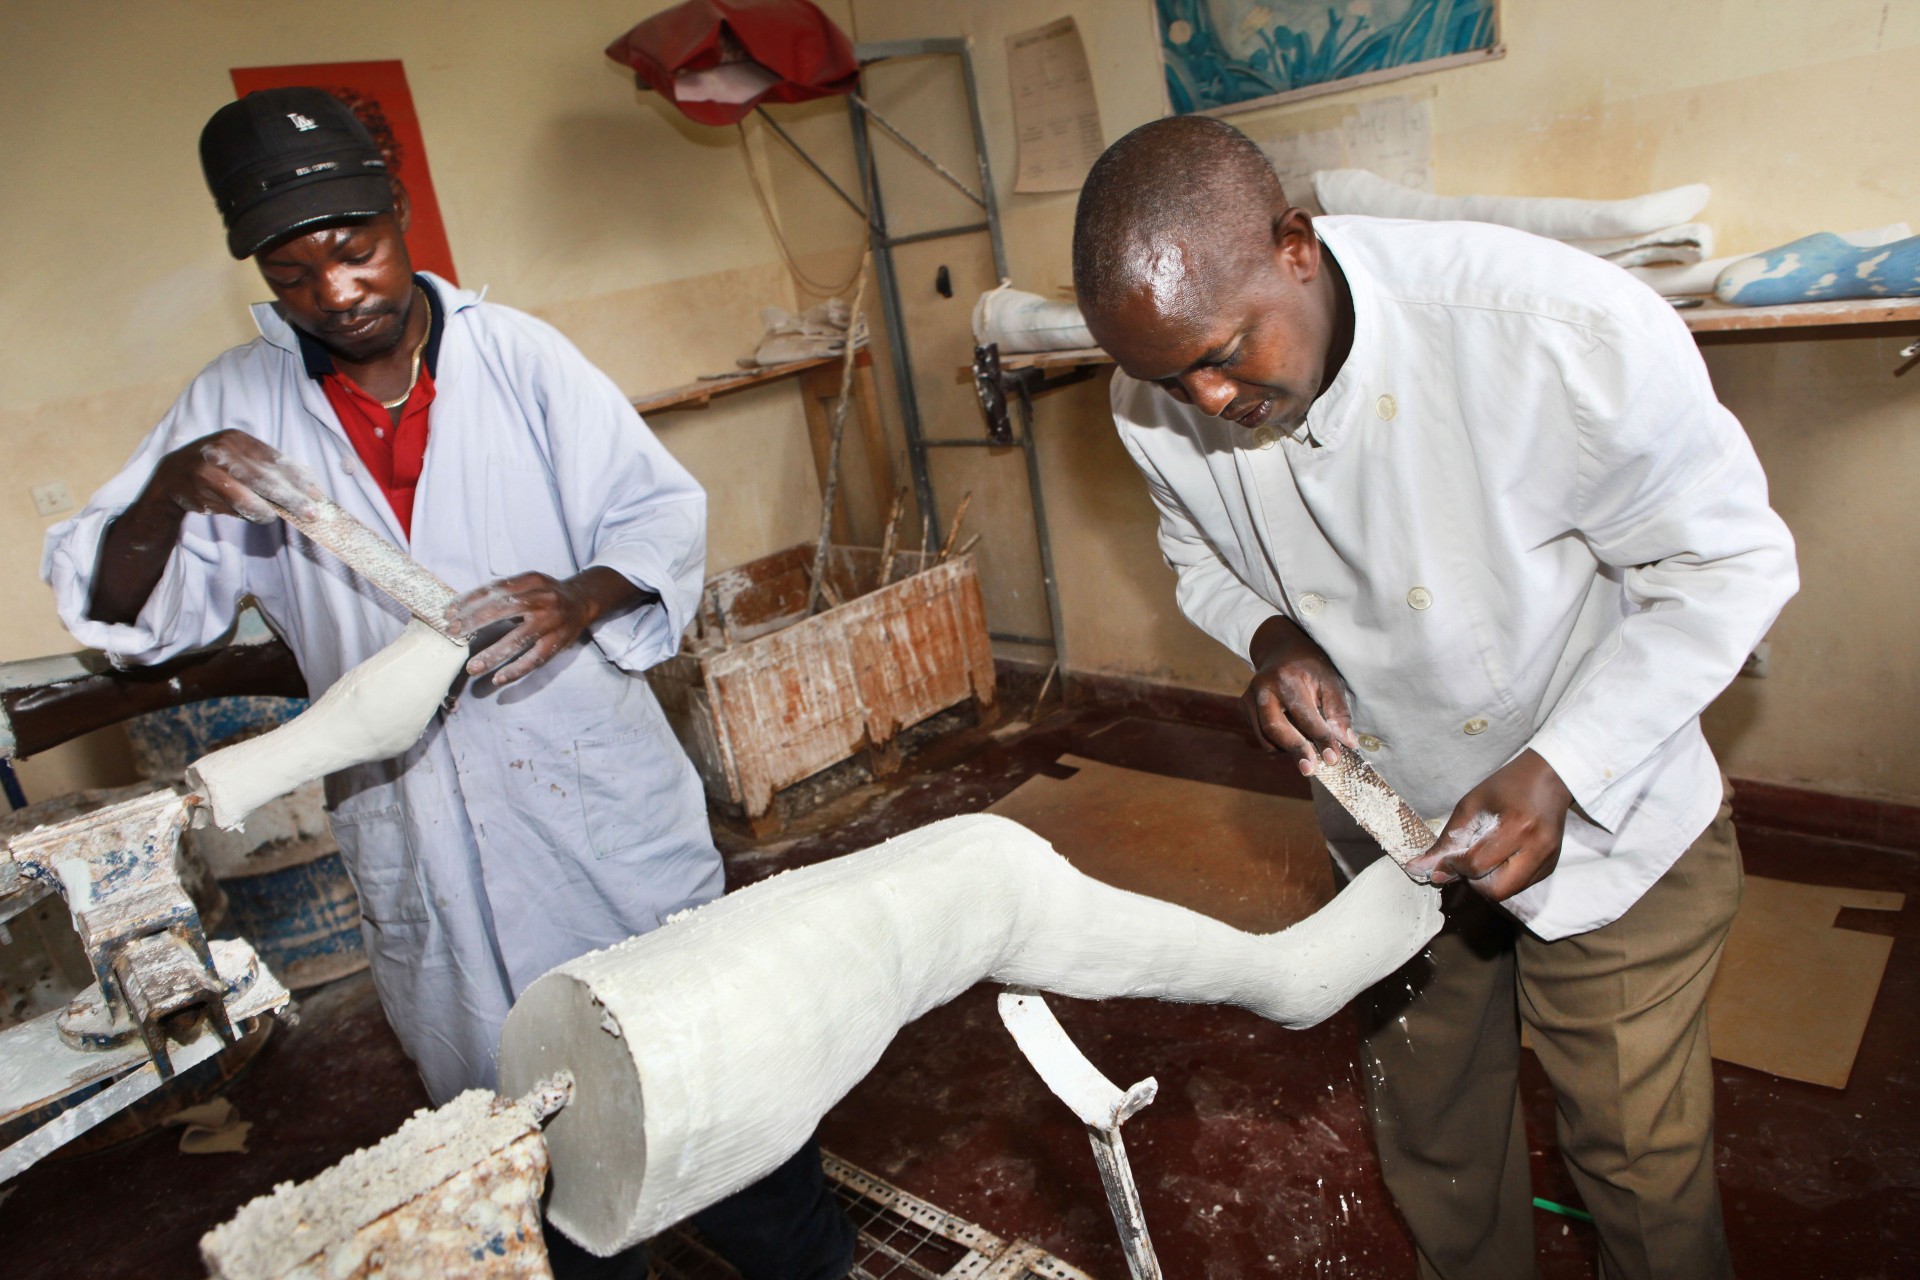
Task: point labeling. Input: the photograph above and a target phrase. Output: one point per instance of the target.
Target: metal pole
(811, 163)
(895, 316)
(986, 171)
(1042, 538)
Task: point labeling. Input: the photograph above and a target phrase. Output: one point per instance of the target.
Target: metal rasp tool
(414, 587)
(1378, 809)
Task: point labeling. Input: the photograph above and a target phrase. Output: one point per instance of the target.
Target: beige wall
(564, 191)
(637, 234)
(1795, 113)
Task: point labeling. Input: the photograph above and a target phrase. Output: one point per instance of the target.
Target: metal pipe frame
(893, 310)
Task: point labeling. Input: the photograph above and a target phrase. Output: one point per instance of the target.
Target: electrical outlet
(52, 498)
(1755, 667)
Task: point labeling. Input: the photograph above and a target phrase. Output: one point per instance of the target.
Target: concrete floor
(1254, 1161)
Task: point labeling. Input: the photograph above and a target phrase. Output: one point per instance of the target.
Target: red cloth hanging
(716, 59)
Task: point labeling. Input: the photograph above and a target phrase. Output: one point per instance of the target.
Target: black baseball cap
(282, 159)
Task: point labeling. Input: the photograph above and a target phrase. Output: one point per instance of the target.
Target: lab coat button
(1386, 406)
(1474, 727)
(1369, 743)
(1265, 438)
(346, 467)
(1312, 603)
(1420, 597)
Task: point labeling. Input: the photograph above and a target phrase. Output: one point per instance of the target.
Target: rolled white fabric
(1022, 321)
(706, 1052)
(1685, 280)
(1688, 242)
(1558, 218)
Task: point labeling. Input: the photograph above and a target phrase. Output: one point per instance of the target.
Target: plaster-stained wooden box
(762, 696)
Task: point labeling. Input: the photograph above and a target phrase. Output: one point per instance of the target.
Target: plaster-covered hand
(550, 613)
(228, 473)
(1296, 699)
(1505, 834)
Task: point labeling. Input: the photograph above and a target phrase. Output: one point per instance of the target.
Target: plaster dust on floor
(708, 1050)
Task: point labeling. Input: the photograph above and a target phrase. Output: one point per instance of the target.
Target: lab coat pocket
(379, 857)
(523, 534)
(628, 789)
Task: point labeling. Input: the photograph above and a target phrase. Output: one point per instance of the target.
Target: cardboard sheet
(1255, 861)
(1794, 992)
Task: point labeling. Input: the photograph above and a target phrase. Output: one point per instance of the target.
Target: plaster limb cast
(706, 1052)
(374, 711)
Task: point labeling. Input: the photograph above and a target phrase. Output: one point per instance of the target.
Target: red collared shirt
(392, 453)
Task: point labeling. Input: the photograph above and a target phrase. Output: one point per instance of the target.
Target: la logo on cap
(302, 123)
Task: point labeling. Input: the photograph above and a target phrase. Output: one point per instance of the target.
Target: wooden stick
(887, 539)
(953, 530)
(830, 487)
(967, 545)
(1045, 685)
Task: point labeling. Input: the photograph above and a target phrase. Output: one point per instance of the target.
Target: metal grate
(902, 1237)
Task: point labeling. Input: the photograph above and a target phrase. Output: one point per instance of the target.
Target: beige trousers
(1618, 1019)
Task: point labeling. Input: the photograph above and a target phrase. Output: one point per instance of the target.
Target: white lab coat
(528, 825)
(1516, 518)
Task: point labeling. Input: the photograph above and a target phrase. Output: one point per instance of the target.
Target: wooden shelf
(697, 395)
(1717, 317)
(1712, 317)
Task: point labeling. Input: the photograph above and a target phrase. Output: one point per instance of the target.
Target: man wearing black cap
(549, 811)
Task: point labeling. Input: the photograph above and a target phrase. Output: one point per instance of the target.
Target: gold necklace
(419, 350)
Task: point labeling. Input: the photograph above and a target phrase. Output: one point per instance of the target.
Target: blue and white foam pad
(1823, 267)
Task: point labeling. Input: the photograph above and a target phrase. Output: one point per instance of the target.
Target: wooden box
(762, 696)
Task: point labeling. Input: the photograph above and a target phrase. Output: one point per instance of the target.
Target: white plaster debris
(374, 711)
(318, 1221)
(750, 1018)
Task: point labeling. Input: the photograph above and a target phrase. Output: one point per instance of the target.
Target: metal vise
(142, 935)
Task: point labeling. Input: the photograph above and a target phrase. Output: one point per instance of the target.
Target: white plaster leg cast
(372, 712)
(706, 1052)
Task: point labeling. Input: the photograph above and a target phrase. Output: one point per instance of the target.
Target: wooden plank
(1717, 317)
(789, 706)
(1711, 317)
(697, 395)
(759, 714)
(914, 652)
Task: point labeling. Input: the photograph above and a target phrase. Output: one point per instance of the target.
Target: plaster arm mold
(374, 711)
(707, 1051)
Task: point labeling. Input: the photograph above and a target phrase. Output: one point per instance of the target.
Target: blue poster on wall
(1220, 53)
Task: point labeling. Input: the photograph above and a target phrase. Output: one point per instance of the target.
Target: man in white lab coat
(1465, 501)
(548, 811)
